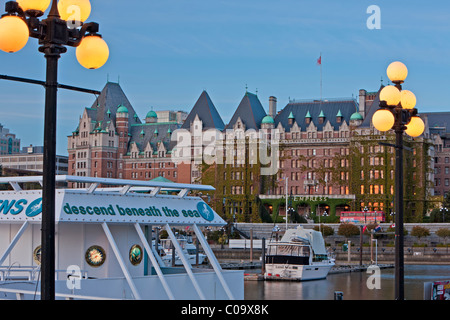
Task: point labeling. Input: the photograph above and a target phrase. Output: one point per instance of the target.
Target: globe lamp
(415, 127)
(397, 72)
(37, 5)
(383, 120)
(93, 52)
(14, 34)
(391, 95)
(74, 10)
(408, 99)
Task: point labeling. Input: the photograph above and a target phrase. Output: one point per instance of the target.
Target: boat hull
(297, 272)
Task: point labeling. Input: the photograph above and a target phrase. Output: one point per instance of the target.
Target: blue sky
(167, 52)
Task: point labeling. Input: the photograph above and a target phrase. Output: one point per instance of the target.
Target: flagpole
(321, 76)
(286, 203)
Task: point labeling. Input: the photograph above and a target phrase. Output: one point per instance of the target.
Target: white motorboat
(103, 247)
(189, 249)
(299, 255)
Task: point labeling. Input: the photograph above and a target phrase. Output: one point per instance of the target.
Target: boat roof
(125, 201)
(314, 238)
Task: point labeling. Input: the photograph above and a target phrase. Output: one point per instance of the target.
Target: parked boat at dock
(299, 255)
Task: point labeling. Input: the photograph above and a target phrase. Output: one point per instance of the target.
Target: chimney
(272, 106)
(362, 102)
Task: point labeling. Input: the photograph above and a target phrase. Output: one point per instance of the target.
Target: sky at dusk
(165, 53)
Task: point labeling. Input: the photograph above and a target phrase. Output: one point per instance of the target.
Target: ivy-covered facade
(332, 159)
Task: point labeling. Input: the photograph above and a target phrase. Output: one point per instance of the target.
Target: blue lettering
(6, 206)
(19, 206)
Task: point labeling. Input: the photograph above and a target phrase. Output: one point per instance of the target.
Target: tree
(420, 232)
(348, 230)
(443, 233)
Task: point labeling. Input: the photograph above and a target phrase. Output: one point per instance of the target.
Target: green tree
(420, 232)
(443, 233)
(348, 230)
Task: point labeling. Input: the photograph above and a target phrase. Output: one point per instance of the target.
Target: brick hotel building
(328, 150)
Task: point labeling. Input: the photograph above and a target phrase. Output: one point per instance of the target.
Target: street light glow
(14, 34)
(397, 72)
(74, 10)
(391, 95)
(415, 127)
(38, 5)
(408, 99)
(383, 120)
(93, 52)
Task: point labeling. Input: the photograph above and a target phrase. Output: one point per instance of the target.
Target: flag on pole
(319, 61)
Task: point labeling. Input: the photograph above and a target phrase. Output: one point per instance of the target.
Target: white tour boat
(103, 247)
(299, 255)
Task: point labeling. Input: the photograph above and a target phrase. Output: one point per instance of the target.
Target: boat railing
(32, 273)
(18, 273)
(20, 295)
(110, 185)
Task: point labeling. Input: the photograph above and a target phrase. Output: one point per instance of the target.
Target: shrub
(420, 232)
(348, 230)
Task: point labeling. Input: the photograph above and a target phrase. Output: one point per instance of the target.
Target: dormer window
(339, 117)
(308, 118)
(291, 119)
(321, 117)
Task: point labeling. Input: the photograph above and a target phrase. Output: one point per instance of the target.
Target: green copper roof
(267, 119)
(122, 109)
(161, 179)
(152, 114)
(356, 116)
(308, 115)
(321, 115)
(339, 114)
(291, 116)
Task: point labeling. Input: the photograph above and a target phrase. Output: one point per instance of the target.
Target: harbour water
(353, 285)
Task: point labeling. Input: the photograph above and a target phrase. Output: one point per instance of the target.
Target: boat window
(288, 250)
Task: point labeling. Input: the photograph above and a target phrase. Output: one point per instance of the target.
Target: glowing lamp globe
(408, 99)
(14, 34)
(93, 52)
(38, 5)
(391, 95)
(397, 72)
(383, 120)
(415, 127)
(74, 10)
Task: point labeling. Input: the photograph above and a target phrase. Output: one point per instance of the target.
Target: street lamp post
(365, 214)
(444, 210)
(54, 33)
(397, 111)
